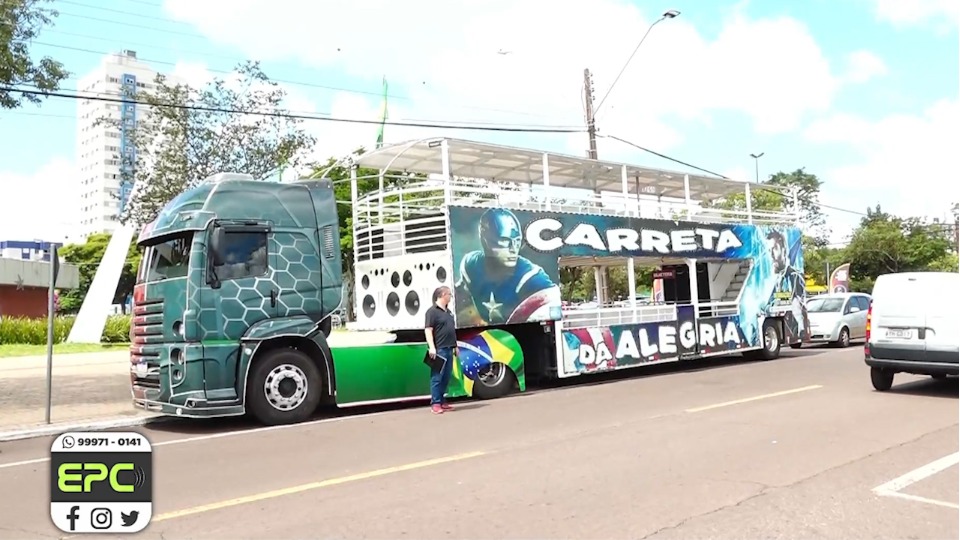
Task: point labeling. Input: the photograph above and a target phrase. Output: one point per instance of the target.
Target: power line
(294, 116)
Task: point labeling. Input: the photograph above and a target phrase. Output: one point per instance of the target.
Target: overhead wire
(500, 128)
(234, 60)
(476, 126)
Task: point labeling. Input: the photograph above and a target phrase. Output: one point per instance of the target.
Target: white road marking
(893, 487)
(754, 398)
(199, 438)
(916, 498)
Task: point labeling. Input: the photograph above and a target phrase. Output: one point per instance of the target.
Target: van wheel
(844, 339)
(882, 379)
(284, 387)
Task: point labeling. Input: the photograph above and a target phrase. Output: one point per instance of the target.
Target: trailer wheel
(771, 340)
(494, 381)
(284, 387)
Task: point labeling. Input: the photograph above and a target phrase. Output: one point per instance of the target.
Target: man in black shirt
(442, 340)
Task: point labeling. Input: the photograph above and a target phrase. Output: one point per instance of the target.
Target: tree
(764, 199)
(20, 22)
(190, 134)
(87, 258)
(884, 243)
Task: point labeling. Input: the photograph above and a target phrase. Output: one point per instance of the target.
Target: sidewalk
(88, 389)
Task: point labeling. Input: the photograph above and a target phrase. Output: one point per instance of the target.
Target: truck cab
(233, 300)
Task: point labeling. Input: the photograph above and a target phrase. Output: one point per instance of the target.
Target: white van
(913, 326)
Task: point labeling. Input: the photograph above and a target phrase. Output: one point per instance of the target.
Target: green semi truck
(240, 278)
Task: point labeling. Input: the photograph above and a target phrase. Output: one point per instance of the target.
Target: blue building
(31, 250)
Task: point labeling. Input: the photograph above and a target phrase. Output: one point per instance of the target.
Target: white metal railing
(719, 309)
(410, 216)
(400, 220)
(609, 316)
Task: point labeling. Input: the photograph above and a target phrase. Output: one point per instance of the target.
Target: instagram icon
(101, 518)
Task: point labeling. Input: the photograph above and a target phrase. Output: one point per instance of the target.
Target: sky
(862, 93)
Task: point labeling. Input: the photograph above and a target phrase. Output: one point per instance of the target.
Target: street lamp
(669, 14)
(756, 161)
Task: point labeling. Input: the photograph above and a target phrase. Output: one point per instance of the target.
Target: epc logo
(101, 482)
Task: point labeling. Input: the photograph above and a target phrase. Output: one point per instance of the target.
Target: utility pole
(591, 121)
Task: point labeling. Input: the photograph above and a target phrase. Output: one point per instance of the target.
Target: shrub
(26, 331)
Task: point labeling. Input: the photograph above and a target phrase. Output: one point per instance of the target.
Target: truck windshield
(167, 259)
(824, 305)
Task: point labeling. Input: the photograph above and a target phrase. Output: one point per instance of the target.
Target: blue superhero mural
(495, 284)
(508, 261)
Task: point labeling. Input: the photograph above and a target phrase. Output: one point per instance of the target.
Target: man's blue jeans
(440, 379)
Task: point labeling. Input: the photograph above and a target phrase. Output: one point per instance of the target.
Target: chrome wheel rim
(285, 387)
(493, 374)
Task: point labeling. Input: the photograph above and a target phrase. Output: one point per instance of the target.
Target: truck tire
(497, 383)
(284, 387)
(882, 379)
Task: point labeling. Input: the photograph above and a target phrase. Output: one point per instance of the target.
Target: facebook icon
(73, 516)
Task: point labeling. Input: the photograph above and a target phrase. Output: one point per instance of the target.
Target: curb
(82, 425)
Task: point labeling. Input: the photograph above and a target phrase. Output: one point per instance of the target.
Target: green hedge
(24, 331)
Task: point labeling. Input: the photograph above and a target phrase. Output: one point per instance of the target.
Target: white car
(912, 326)
(838, 318)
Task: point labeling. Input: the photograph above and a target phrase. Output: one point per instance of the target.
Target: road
(790, 448)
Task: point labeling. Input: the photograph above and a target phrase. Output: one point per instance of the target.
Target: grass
(14, 350)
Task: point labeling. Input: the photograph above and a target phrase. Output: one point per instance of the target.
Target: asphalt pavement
(800, 447)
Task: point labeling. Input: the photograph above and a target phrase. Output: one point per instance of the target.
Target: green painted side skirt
(393, 372)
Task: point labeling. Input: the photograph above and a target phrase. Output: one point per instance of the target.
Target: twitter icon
(129, 519)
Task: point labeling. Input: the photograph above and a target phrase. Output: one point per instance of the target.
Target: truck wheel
(494, 381)
(284, 387)
(882, 379)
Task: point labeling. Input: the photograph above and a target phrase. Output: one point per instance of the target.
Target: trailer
(497, 225)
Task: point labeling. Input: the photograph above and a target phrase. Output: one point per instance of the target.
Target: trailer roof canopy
(525, 166)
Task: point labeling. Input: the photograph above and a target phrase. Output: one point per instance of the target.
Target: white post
(632, 286)
(380, 210)
(694, 290)
(625, 187)
(749, 203)
(598, 284)
(546, 179)
(686, 193)
(445, 169)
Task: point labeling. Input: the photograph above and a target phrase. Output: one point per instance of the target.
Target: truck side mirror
(216, 245)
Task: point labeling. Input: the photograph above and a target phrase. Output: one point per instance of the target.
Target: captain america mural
(495, 284)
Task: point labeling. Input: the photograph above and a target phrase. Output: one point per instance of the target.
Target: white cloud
(41, 206)
(907, 164)
(944, 13)
(863, 66)
(449, 66)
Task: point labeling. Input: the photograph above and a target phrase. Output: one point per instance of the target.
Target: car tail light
(866, 341)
